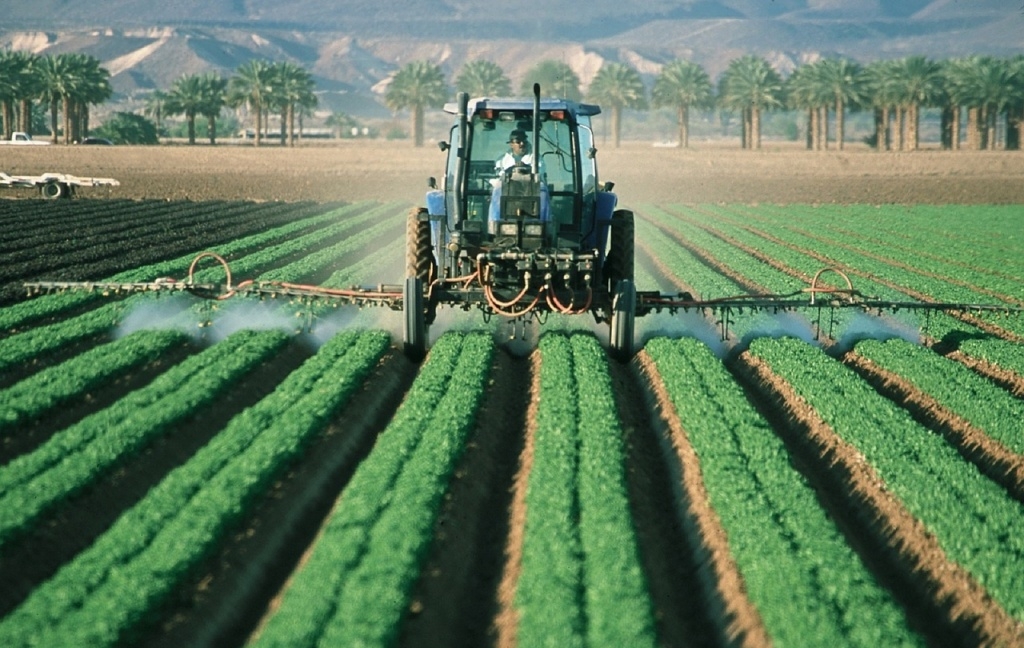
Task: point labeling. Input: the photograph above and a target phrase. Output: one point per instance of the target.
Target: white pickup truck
(24, 139)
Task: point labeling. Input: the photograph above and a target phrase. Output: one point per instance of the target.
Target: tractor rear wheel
(414, 331)
(419, 254)
(620, 337)
(619, 263)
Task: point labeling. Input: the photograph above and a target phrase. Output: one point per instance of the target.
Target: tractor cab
(492, 199)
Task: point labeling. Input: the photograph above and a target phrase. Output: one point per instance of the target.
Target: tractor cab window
(491, 148)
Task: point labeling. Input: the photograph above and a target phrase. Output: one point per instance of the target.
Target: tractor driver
(520, 157)
(519, 152)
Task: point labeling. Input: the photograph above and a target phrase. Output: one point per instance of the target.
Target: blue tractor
(520, 236)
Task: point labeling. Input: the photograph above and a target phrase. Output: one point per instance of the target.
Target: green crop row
(23, 313)
(357, 583)
(110, 588)
(797, 568)
(75, 457)
(31, 398)
(36, 341)
(937, 289)
(977, 523)
(954, 386)
(933, 231)
(1002, 353)
(581, 581)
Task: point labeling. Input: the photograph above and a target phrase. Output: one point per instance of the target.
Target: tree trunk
(822, 128)
(259, 124)
(812, 129)
(954, 130)
(25, 118)
(417, 125)
(755, 128)
(67, 118)
(8, 117)
(901, 128)
(990, 126)
(973, 129)
(191, 117)
(1014, 127)
(881, 117)
(684, 126)
(211, 127)
(291, 124)
(53, 120)
(840, 123)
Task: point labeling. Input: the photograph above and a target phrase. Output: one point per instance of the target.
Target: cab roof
(482, 103)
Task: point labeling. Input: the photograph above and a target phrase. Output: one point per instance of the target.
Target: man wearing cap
(519, 153)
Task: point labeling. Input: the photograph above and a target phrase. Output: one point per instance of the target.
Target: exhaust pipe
(535, 164)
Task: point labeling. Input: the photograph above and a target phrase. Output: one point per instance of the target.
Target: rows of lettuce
(123, 235)
(141, 558)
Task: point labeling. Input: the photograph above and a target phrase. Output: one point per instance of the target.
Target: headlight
(509, 229)
(533, 229)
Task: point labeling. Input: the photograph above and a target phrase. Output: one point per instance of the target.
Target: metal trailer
(55, 185)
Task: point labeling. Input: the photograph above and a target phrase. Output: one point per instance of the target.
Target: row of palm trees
(264, 87)
(66, 83)
(987, 89)
(70, 83)
(984, 87)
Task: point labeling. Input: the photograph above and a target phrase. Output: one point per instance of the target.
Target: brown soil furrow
(943, 599)
(506, 621)
(671, 561)
(1011, 381)
(994, 459)
(459, 593)
(737, 618)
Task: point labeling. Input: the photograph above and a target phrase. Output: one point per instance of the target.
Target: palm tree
(618, 86)
(291, 86)
(418, 85)
(917, 83)
(213, 89)
(555, 78)
(10, 75)
(751, 86)
(483, 79)
(154, 107)
(92, 88)
(841, 80)
(806, 90)
(880, 89)
(188, 96)
(1015, 112)
(18, 86)
(250, 87)
(682, 85)
(52, 73)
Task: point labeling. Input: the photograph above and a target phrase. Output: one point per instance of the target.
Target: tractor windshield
(492, 150)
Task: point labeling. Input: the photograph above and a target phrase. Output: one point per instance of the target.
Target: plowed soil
(352, 169)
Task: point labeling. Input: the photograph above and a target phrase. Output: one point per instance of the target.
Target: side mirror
(432, 182)
(443, 146)
(591, 152)
(608, 186)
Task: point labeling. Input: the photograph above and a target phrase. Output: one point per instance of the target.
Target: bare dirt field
(395, 170)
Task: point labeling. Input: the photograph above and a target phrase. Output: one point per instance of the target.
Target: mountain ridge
(352, 49)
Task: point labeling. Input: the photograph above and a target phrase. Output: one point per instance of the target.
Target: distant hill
(353, 46)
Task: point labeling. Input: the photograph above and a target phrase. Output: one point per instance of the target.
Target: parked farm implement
(55, 185)
(521, 231)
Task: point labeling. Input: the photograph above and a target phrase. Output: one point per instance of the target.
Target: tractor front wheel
(414, 332)
(620, 337)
